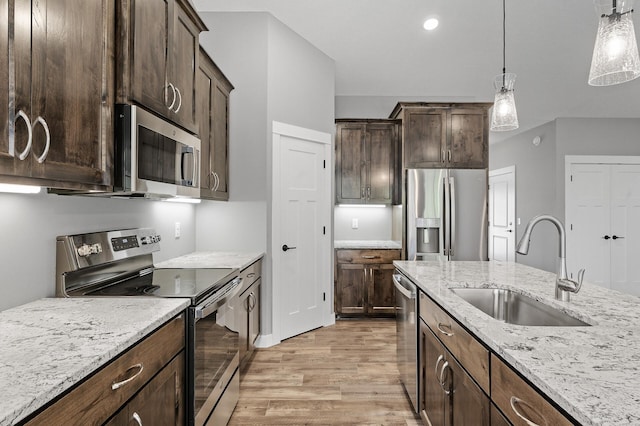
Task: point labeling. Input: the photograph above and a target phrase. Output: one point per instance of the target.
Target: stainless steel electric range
(120, 263)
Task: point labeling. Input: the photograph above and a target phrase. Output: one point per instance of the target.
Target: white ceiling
(380, 49)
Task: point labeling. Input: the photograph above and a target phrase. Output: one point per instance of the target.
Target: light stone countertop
(593, 373)
(212, 259)
(49, 345)
(366, 244)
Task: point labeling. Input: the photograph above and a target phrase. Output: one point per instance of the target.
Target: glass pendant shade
(615, 54)
(504, 116)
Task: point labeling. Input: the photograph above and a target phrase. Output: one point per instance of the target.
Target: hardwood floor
(342, 374)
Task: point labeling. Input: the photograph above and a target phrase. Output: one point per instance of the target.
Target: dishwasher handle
(406, 292)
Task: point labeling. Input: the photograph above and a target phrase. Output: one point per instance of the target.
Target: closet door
(588, 221)
(625, 228)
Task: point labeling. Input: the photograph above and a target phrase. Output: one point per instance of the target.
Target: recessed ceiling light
(431, 24)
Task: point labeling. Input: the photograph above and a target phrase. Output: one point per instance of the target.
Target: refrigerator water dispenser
(428, 235)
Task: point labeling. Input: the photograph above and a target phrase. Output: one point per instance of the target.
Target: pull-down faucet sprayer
(564, 286)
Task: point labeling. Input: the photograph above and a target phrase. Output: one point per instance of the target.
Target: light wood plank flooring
(342, 374)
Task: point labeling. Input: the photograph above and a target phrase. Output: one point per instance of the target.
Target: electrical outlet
(177, 230)
(354, 223)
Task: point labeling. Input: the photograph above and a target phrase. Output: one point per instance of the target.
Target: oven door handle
(212, 304)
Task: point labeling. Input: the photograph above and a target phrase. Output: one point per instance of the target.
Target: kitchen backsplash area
(31, 223)
(367, 222)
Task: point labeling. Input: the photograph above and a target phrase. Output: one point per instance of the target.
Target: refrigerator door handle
(452, 213)
(446, 215)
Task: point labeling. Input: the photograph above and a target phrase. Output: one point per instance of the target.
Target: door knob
(606, 237)
(286, 247)
(615, 237)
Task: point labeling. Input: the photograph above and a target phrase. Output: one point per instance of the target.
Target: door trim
(278, 130)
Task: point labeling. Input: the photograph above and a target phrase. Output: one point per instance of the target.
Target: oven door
(212, 369)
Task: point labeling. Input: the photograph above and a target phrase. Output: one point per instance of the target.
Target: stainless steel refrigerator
(446, 214)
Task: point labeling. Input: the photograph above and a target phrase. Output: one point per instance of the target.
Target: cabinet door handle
(251, 274)
(446, 333)
(137, 418)
(23, 154)
(438, 361)
(362, 190)
(615, 237)
(441, 378)
(606, 237)
(515, 401)
(449, 155)
(368, 193)
(117, 385)
(442, 156)
(173, 89)
(179, 96)
(47, 145)
(370, 257)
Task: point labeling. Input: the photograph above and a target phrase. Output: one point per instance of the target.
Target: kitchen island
(48, 346)
(590, 372)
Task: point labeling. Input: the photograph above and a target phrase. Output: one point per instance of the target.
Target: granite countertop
(367, 244)
(49, 345)
(591, 372)
(212, 259)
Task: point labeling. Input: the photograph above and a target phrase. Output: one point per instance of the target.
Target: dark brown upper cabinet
(157, 62)
(437, 135)
(57, 80)
(213, 90)
(366, 161)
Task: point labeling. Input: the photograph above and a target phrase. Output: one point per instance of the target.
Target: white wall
(31, 223)
(278, 76)
(374, 223)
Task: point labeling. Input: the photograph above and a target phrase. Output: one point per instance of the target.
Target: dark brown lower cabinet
(160, 402)
(364, 284)
(448, 395)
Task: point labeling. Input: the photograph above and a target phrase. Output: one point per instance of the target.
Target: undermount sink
(516, 308)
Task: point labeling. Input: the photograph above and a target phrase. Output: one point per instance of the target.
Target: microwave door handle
(188, 151)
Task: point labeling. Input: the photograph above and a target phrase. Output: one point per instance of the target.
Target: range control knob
(89, 249)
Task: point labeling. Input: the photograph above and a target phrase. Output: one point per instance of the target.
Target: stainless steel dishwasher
(407, 335)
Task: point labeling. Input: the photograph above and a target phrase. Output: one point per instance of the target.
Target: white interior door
(625, 228)
(301, 248)
(502, 213)
(587, 222)
(602, 211)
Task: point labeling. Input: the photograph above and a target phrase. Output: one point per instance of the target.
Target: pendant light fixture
(615, 54)
(504, 116)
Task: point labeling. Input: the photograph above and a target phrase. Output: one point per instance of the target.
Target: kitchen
(303, 73)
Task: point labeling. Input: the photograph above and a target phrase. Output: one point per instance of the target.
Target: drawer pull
(517, 401)
(117, 385)
(446, 333)
(251, 275)
(371, 257)
(137, 418)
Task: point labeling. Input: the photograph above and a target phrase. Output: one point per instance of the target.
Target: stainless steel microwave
(152, 157)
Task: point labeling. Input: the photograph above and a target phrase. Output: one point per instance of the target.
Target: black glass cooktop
(191, 283)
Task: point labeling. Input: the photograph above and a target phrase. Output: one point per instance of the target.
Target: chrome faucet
(564, 286)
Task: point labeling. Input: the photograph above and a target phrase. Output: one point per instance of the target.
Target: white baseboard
(266, 341)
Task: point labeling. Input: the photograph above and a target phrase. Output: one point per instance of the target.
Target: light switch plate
(177, 230)
(354, 223)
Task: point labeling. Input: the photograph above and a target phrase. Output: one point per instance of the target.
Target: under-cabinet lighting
(184, 200)
(19, 189)
(362, 205)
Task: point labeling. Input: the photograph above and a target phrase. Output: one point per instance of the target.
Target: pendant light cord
(504, 44)
(504, 38)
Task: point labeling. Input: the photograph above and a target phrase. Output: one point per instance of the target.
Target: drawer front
(95, 400)
(251, 274)
(460, 343)
(367, 256)
(521, 403)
